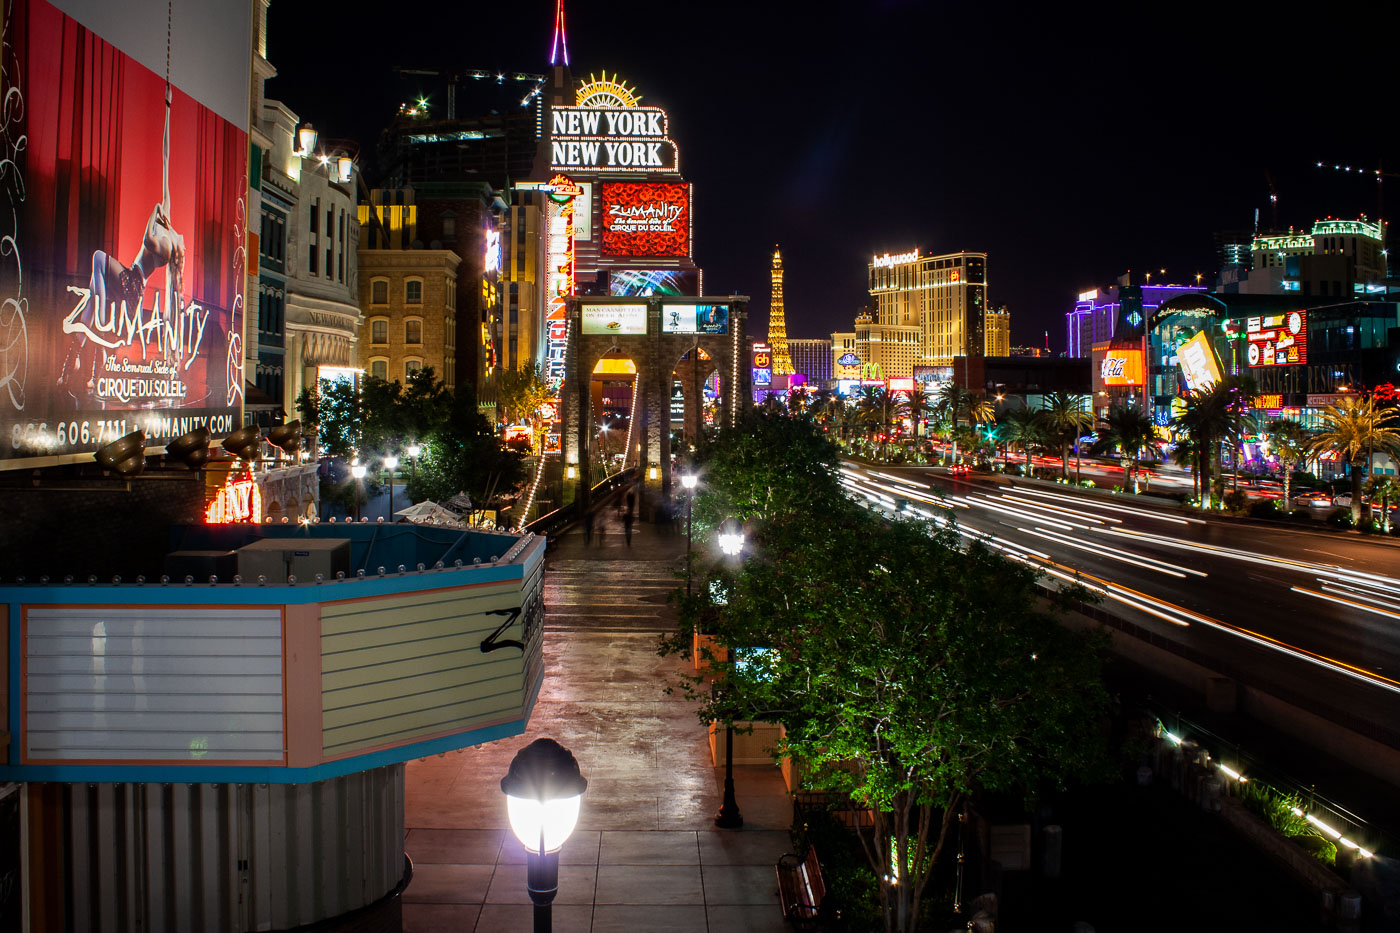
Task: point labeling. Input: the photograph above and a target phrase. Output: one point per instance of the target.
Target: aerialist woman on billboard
(113, 284)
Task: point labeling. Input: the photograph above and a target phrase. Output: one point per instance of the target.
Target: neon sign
(611, 138)
(1121, 368)
(493, 251)
(239, 500)
(1090, 295)
(1277, 339)
(888, 260)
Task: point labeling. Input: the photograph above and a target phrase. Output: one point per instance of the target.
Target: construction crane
(1273, 201)
(1378, 173)
(454, 75)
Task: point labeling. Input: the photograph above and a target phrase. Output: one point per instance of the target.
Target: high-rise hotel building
(942, 300)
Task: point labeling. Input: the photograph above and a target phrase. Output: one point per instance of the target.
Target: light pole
(358, 470)
(689, 481)
(729, 817)
(543, 790)
(391, 463)
(414, 451)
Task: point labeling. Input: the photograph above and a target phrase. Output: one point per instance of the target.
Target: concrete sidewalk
(646, 855)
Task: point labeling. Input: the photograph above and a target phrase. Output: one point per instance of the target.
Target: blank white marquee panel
(153, 684)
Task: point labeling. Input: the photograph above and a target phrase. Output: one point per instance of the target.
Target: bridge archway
(657, 334)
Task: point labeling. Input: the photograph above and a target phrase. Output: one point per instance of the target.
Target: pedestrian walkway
(646, 855)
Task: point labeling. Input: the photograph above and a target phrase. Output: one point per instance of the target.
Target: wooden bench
(801, 889)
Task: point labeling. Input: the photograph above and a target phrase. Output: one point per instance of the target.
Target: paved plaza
(646, 855)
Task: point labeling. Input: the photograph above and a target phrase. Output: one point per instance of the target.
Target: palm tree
(1354, 428)
(954, 400)
(1211, 416)
(1022, 427)
(1289, 441)
(822, 406)
(1066, 417)
(917, 406)
(879, 407)
(1132, 434)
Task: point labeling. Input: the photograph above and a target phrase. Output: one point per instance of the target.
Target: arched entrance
(658, 335)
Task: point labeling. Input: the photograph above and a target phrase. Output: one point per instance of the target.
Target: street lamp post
(543, 790)
(358, 471)
(414, 451)
(391, 463)
(729, 817)
(689, 481)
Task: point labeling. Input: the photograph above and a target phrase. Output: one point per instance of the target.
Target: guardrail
(553, 522)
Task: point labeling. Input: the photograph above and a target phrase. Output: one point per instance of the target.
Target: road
(1313, 616)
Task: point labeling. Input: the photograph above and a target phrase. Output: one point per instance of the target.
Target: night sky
(1069, 142)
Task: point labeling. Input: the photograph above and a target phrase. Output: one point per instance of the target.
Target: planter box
(752, 748)
(1303, 866)
(697, 642)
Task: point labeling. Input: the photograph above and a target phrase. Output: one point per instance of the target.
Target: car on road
(1343, 500)
(1312, 500)
(958, 469)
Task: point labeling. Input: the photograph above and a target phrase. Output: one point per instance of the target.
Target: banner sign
(613, 319)
(629, 139)
(1198, 364)
(694, 319)
(1277, 339)
(645, 219)
(125, 225)
(1121, 368)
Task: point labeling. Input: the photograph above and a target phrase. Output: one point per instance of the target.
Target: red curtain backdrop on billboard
(1277, 339)
(645, 219)
(122, 292)
(1121, 368)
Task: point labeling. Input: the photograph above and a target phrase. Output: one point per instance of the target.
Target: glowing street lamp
(414, 452)
(391, 463)
(543, 791)
(731, 542)
(358, 471)
(306, 138)
(689, 481)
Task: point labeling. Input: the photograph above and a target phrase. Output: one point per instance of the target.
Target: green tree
(879, 407)
(1066, 417)
(520, 394)
(335, 411)
(907, 673)
(1353, 429)
(1384, 488)
(1288, 439)
(1131, 433)
(916, 405)
(1210, 418)
(466, 455)
(954, 401)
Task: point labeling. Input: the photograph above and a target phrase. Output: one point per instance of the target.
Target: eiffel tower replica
(777, 321)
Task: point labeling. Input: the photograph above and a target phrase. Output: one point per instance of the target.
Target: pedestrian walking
(627, 526)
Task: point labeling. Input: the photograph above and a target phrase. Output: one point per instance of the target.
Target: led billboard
(641, 219)
(613, 319)
(628, 283)
(1121, 368)
(122, 273)
(1277, 339)
(1198, 363)
(694, 319)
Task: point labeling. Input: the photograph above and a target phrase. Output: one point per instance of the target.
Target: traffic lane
(1265, 606)
(1354, 551)
(1328, 631)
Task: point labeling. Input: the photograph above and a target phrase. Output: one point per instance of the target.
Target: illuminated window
(379, 330)
(379, 292)
(379, 369)
(413, 331)
(413, 292)
(411, 366)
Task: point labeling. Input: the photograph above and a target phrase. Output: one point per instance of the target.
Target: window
(315, 214)
(449, 226)
(410, 367)
(379, 331)
(413, 331)
(379, 369)
(413, 292)
(379, 292)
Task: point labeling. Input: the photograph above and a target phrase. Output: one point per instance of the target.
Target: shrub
(1369, 526)
(1236, 501)
(1265, 508)
(1340, 518)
